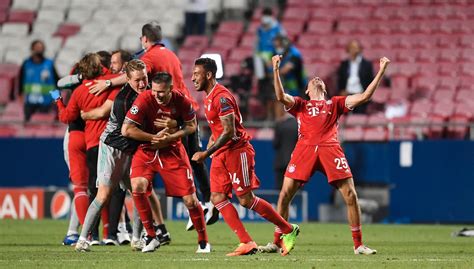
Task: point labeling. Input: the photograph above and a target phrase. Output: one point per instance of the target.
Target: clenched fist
(384, 61)
(276, 62)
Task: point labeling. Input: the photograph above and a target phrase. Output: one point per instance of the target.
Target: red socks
(232, 219)
(197, 217)
(265, 209)
(144, 211)
(277, 236)
(356, 235)
(81, 201)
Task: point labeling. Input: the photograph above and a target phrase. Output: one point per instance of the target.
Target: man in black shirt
(115, 151)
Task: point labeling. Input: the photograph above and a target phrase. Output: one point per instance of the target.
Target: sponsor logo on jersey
(313, 111)
(60, 204)
(291, 168)
(134, 110)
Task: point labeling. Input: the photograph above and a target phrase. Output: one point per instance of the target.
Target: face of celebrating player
(161, 92)
(201, 78)
(116, 63)
(316, 89)
(138, 80)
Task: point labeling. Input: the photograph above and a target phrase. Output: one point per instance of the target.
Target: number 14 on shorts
(234, 178)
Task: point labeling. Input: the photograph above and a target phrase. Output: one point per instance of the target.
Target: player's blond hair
(134, 65)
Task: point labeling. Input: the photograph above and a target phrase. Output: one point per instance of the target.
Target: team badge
(291, 168)
(224, 104)
(134, 110)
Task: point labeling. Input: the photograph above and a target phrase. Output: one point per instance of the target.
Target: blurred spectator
(38, 76)
(195, 17)
(119, 61)
(291, 67)
(292, 71)
(241, 84)
(355, 73)
(268, 30)
(286, 136)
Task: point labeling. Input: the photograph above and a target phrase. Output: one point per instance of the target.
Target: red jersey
(317, 120)
(145, 110)
(160, 59)
(81, 99)
(218, 103)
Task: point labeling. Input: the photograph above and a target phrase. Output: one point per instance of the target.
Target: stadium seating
(431, 44)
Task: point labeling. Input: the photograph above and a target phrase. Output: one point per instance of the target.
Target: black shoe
(165, 239)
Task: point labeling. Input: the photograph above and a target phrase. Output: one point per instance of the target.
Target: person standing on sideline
(38, 77)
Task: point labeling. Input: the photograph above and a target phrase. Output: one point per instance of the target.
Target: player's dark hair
(208, 64)
(90, 66)
(267, 11)
(125, 56)
(163, 77)
(134, 65)
(152, 31)
(36, 41)
(105, 58)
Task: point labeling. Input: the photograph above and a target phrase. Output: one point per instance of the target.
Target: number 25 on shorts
(341, 163)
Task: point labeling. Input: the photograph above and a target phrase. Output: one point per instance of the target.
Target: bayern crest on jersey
(291, 168)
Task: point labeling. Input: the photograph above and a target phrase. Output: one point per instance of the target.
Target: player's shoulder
(221, 91)
(336, 99)
(178, 96)
(145, 95)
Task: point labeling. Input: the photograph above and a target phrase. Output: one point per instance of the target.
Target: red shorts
(329, 160)
(234, 169)
(173, 166)
(78, 171)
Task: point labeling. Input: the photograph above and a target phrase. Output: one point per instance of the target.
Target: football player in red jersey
(318, 147)
(162, 152)
(233, 161)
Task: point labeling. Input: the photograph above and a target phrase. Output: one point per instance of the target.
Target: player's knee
(190, 202)
(103, 194)
(284, 197)
(350, 196)
(217, 197)
(139, 184)
(246, 200)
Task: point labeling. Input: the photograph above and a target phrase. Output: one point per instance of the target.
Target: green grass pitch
(36, 244)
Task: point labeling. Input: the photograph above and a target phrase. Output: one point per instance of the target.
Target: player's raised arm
(359, 98)
(228, 124)
(281, 96)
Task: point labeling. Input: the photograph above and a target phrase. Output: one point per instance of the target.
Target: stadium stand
(431, 44)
